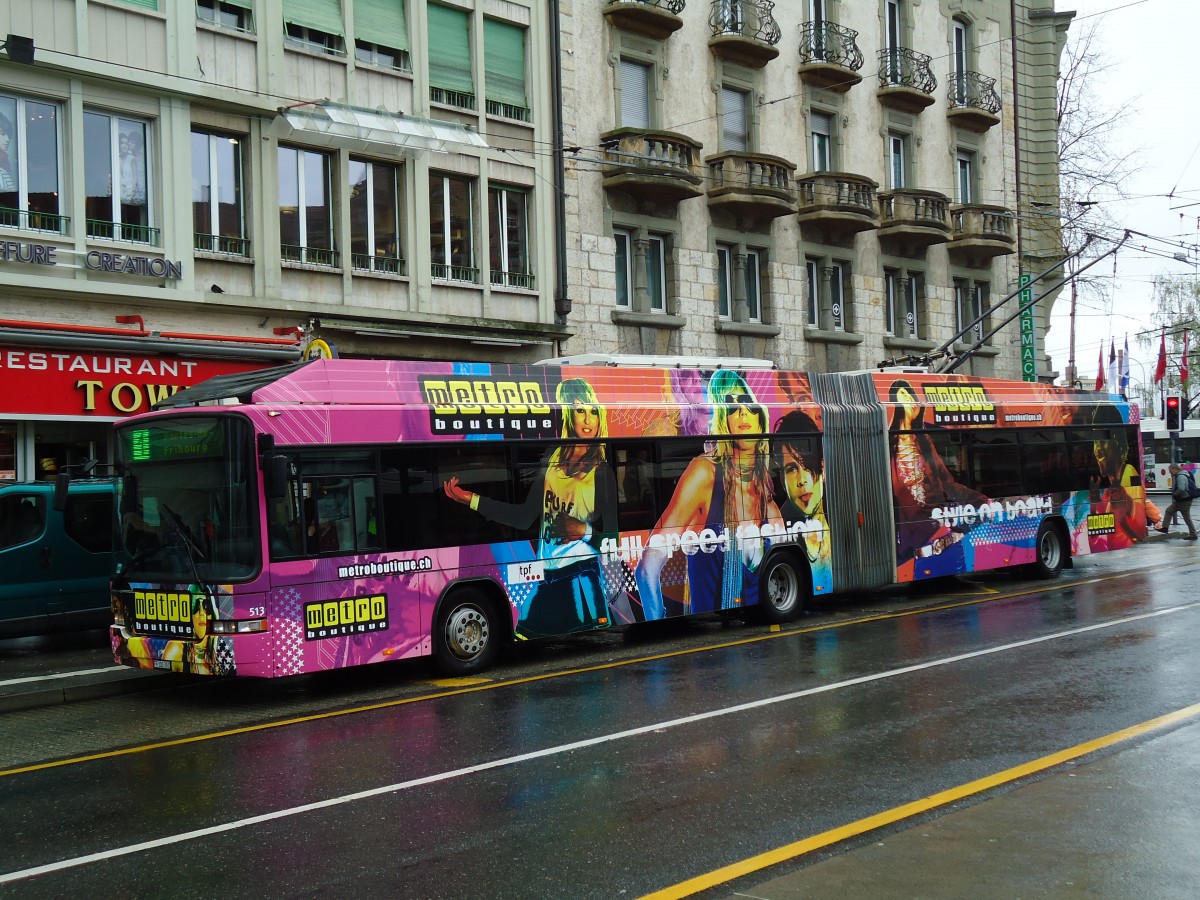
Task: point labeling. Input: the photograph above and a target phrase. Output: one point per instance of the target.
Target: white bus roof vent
(634, 360)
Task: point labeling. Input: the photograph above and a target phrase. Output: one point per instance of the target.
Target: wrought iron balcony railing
(31, 220)
(901, 67)
(313, 256)
(749, 18)
(114, 231)
(975, 91)
(671, 6)
(369, 262)
(513, 279)
(220, 243)
(467, 274)
(829, 43)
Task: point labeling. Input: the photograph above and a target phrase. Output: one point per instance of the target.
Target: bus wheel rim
(1049, 549)
(467, 632)
(782, 588)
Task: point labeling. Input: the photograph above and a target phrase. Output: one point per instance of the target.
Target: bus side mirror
(275, 475)
(62, 483)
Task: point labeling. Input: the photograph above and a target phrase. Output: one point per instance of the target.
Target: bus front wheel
(465, 636)
(1049, 561)
(781, 590)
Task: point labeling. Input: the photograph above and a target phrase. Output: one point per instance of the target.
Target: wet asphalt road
(610, 767)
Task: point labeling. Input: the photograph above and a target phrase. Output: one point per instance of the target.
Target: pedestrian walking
(1181, 502)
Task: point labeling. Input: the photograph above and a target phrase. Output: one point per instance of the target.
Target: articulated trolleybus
(343, 512)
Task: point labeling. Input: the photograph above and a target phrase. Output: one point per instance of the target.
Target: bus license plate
(162, 664)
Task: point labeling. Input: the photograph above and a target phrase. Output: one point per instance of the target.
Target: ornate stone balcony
(906, 82)
(974, 103)
(657, 166)
(829, 56)
(978, 233)
(751, 186)
(836, 204)
(657, 19)
(911, 220)
(744, 32)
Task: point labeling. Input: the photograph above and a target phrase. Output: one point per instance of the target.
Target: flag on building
(1100, 370)
(1160, 370)
(1183, 359)
(1125, 368)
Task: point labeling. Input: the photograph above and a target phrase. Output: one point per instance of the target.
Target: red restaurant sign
(54, 382)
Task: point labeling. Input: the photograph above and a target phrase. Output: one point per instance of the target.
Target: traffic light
(1174, 414)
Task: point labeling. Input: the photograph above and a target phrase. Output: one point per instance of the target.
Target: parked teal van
(55, 563)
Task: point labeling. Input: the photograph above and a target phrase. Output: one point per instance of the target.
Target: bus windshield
(187, 500)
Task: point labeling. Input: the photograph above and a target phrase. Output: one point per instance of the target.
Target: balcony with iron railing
(752, 187)
(384, 265)
(974, 103)
(906, 82)
(310, 256)
(522, 280)
(744, 32)
(658, 166)
(103, 230)
(222, 244)
(829, 56)
(911, 220)
(836, 204)
(980, 232)
(32, 220)
(465, 274)
(657, 19)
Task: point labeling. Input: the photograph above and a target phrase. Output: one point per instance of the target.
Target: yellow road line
(530, 679)
(899, 813)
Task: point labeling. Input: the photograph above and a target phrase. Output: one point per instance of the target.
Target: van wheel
(465, 636)
(781, 590)
(1050, 552)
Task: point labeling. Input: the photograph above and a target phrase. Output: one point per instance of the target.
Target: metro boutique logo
(489, 406)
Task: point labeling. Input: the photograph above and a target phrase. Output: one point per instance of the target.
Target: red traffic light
(1173, 411)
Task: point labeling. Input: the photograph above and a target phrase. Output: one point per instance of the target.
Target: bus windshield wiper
(185, 534)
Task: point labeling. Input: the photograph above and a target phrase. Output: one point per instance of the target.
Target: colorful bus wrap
(342, 512)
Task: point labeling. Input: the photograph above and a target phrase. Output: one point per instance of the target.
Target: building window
(894, 41)
(735, 119)
(753, 286)
(641, 270)
(508, 218)
(970, 298)
(218, 217)
(144, 4)
(375, 218)
(504, 70)
(306, 207)
(903, 293)
(821, 125)
(963, 184)
(724, 280)
(897, 161)
(233, 14)
(115, 178)
(451, 80)
(452, 228)
(29, 165)
(314, 25)
(828, 285)
(381, 34)
(635, 94)
(961, 64)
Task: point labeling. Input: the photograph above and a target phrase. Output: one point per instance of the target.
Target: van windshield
(187, 500)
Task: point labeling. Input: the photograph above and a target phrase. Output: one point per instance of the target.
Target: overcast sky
(1154, 46)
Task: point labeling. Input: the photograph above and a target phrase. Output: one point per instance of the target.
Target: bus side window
(635, 485)
(481, 468)
(408, 501)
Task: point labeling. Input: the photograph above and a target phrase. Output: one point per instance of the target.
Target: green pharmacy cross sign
(1028, 334)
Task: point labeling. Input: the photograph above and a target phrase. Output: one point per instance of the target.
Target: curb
(109, 683)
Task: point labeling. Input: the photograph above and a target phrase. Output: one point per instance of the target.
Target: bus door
(858, 494)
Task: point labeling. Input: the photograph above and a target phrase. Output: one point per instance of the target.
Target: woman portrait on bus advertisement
(921, 483)
(718, 491)
(576, 500)
(800, 469)
(1115, 487)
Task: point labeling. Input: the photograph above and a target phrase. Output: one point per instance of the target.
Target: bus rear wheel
(781, 590)
(465, 636)
(1049, 561)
